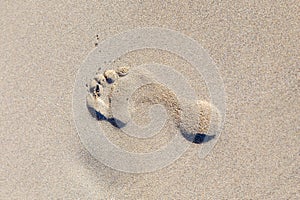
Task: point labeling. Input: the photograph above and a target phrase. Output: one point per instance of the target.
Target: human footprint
(192, 117)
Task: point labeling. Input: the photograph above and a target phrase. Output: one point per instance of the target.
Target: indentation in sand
(111, 89)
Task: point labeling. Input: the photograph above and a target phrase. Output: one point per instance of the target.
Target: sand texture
(255, 46)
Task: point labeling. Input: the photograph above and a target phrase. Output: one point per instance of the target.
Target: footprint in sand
(193, 118)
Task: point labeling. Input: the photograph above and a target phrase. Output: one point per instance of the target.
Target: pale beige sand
(255, 45)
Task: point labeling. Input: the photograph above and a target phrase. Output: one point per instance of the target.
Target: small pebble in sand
(100, 79)
(122, 71)
(111, 76)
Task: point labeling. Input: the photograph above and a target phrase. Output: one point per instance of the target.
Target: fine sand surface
(256, 48)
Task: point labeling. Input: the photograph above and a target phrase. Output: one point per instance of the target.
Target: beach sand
(255, 46)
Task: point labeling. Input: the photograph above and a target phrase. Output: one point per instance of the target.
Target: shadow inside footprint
(113, 121)
(116, 123)
(197, 138)
(201, 138)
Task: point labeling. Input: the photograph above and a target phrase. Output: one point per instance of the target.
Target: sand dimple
(100, 79)
(111, 76)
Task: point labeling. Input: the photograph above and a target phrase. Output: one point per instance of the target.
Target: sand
(255, 46)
